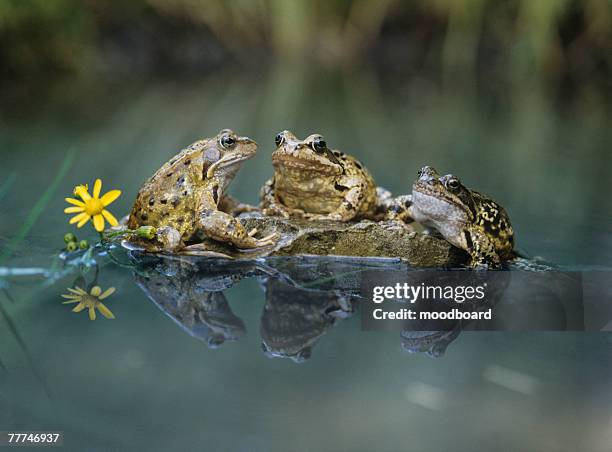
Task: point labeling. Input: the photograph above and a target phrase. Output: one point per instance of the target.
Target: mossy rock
(358, 239)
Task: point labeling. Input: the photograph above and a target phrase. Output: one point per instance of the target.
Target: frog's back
(494, 221)
(167, 198)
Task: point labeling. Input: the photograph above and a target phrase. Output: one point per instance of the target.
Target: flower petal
(92, 313)
(82, 191)
(110, 197)
(71, 301)
(74, 209)
(98, 222)
(110, 218)
(107, 293)
(76, 202)
(71, 296)
(95, 291)
(105, 311)
(78, 218)
(79, 307)
(83, 221)
(97, 188)
(77, 290)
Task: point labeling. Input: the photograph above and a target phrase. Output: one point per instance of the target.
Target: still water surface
(143, 381)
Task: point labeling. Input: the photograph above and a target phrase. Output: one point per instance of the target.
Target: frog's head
(441, 198)
(223, 155)
(311, 154)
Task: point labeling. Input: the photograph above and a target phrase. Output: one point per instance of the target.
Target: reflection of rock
(342, 274)
(365, 238)
(294, 319)
(192, 297)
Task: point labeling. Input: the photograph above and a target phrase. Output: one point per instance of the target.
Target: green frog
(314, 182)
(185, 197)
(466, 218)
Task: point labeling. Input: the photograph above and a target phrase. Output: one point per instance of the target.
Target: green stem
(38, 208)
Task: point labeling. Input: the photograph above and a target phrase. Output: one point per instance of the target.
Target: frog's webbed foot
(334, 216)
(223, 227)
(268, 240)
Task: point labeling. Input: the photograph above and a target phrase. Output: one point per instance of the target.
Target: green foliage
(543, 37)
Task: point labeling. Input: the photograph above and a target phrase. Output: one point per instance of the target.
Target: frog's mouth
(228, 160)
(433, 192)
(303, 164)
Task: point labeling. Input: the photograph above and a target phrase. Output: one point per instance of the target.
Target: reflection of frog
(294, 319)
(182, 198)
(314, 182)
(433, 343)
(466, 218)
(190, 292)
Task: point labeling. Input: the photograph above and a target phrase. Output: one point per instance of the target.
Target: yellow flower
(90, 300)
(92, 206)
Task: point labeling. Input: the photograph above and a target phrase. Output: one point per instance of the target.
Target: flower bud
(70, 237)
(71, 246)
(146, 232)
(83, 244)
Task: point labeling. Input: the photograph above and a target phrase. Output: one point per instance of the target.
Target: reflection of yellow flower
(92, 206)
(90, 300)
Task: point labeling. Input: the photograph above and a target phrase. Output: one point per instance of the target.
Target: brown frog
(315, 182)
(466, 218)
(183, 198)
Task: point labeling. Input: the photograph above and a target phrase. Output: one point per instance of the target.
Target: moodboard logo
(486, 300)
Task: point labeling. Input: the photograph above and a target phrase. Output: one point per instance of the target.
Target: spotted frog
(315, 182)
(185, 196)
(466, 218)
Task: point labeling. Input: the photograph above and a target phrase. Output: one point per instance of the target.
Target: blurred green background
(509, 41)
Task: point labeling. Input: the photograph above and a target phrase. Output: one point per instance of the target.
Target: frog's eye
(319, 145)
(279, 139)
(227, 141)
(453, 183)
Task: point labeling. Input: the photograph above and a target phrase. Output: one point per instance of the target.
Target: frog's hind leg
(482, 251)
(223, 227)
(166, 239)
(396, 208)
(231, 205)
(269, 204)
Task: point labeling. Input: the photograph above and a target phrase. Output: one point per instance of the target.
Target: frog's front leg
(269, 204)
(350, 205)
(223, 227)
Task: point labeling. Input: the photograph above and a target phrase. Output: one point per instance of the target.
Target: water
(143, 381)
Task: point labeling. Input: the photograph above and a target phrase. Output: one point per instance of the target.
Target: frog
(466, 218)
(314, 182)
(186, 196)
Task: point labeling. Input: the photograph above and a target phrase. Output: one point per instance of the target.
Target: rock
(360, 239)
